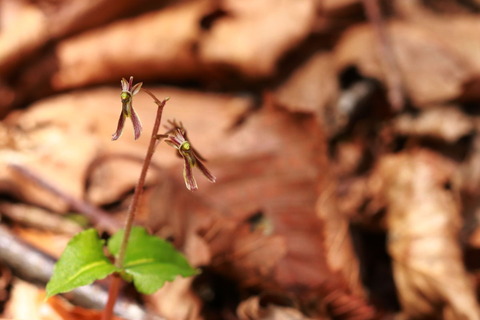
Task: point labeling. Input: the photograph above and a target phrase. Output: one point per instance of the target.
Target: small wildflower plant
(149, 261)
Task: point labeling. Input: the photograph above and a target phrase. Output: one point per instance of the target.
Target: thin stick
(395, 91)
(96, 215)
(113, 293)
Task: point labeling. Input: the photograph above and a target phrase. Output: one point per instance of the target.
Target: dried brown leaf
(431, 69)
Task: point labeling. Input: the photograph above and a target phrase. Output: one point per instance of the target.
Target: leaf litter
(305, 180)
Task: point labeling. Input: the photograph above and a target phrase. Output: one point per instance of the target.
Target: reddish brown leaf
(311, 87)
(254, 35)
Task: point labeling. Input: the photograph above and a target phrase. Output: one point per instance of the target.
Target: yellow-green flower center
(125, 96)
(185, 146)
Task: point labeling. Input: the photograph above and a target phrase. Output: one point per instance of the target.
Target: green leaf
(82, 262)
(150, 260)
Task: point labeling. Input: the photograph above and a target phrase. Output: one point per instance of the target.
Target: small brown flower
(128, 91)
(176, 136)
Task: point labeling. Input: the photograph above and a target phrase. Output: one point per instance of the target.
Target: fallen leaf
(447, 123)
(431, 70)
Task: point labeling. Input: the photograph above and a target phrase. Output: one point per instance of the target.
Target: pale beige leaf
(423, 225)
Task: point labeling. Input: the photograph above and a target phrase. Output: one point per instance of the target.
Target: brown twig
(396, 95)
(96, 215)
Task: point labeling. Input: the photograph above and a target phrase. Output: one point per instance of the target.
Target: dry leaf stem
(387, 56)
(96, 215)
(132, 210)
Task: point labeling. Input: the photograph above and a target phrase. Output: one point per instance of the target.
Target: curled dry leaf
(39, 141)
(446, 123)
(30, 26)
(338, 242)
(141, 46)
(423, 225)
(255, 34)
(252, 308)
(431, 70)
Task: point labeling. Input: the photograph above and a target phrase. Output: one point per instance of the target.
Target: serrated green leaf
(151, 261)
(82, 262)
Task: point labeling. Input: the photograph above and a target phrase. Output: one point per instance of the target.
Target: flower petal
(121, 123)
(198, 155)
(205, 171)
(124, 83)
(136, 88)
(190, 182)
(137, 124)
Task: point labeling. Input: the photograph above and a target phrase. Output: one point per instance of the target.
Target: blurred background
(344, 135)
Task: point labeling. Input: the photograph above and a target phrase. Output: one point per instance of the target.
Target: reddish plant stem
(395, 91)
(112, 296)
(132, 210)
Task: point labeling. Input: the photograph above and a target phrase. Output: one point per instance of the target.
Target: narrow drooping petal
(137, 125)
(205, 171)
(121, 123)
(190, 182)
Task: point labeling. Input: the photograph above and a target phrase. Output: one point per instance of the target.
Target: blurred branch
(396, 95)
(99, 217)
